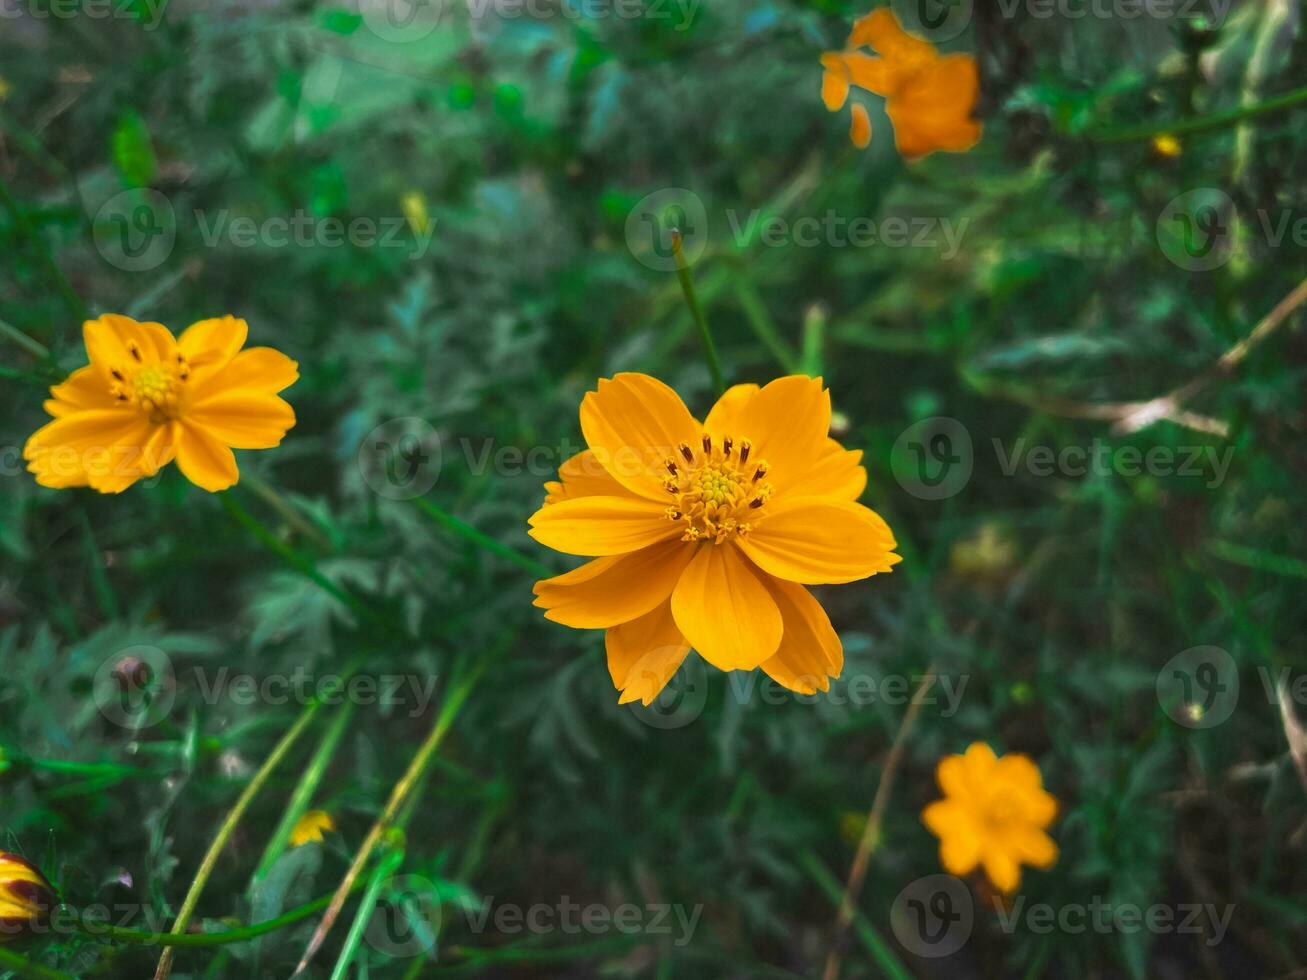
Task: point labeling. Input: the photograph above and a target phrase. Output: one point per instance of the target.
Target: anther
(671, 465)
(755, 503)
(727, 443)
(760, 472)
(685, 451)
(117, 374)
(135, 351)
(671, 487)
(707, 443)
(745, 446)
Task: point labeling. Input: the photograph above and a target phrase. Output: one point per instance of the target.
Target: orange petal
(84, 448)
(724, 610)
(959, 843)
(819, 540)
(256, 368)
(838, 473)
(834, 88)
(82, 390)
(1002, 869)
(597, 526)
(878, 75)
(810, 651)
(119, 343)
(633, 423)
(787, 421)
(204, 460)
(610, 591)
(644, 654)
(244, 419)
(860, 127)
(209, 344)
(583, 476)
(880, 30)
(932, 111)
(724, 419)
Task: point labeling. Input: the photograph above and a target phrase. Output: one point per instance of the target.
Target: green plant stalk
(274, 499)
(25, 968)
(412, 777)
(239, 934)
(1214, 120)
(696, 313)
(384, 869)
(755, 312)
(304, 790)
(465, 530)
(33, 347)
(871, 939)
(228, 828)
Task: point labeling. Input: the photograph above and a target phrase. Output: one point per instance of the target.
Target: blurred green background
(443, 213)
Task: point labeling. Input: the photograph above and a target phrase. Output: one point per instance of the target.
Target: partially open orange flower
(704, 534)
(994, 814)
(147, 399)
(928, 97)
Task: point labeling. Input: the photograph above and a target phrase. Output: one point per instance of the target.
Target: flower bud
(26, 897)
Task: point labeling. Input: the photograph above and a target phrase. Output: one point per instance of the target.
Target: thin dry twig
(871, 832)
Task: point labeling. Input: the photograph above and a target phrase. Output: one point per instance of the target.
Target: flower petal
(787, 422)
(142, 453)
(880, 30)
(243, 419)
(82, 390)
(84, 448)
(959, 844)
(596, 526)
(204, 460)
(644, 654)
(1002, 869)
(633, 423)
(724, 419)
(838, 473)
(115, 342)
(209, 344)
(816, 540)
(583, 476)
(860, 126)
(932, 111)
(834, 84)
(610, 591)
(257, 368)
(724, 610)
(810, 650)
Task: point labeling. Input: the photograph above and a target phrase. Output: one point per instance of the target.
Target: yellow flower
(26, 897)
(993, 814)
(704, 534)
(1166, 145)
(147, 399)
(311, 827)
(928, 97)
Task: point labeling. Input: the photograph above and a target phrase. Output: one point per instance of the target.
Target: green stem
(25, 968)
(33, 347)
(198, 939)
(380, 875)
(696, 313)
(448, 520)
(308, 784)
(273, 498)
(228, 828)
(61, 283)
(1214, 120)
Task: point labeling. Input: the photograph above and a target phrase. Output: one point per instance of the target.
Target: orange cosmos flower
(994, 813)
(147, 399)
(704, 534)
(928, 97)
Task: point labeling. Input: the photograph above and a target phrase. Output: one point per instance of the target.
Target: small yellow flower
(1167, 146)
(147, 399)
(994, 814)
(26, 897)
(706, 534)
(415, 212)
(929, 97)
(311, 827)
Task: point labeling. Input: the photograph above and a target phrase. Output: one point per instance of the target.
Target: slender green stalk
(384, 869)
(412, 777)
(871, 939)
(229, 826)
(33, 347)
(758, 317)
(1214, 120)
(448, 520)
(304, 790)
(200, 939)
(696, 313)
(274, 499)
(57, 277)
(25, 968)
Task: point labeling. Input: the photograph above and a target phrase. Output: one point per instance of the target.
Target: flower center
(717, 490)
(157, 389)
